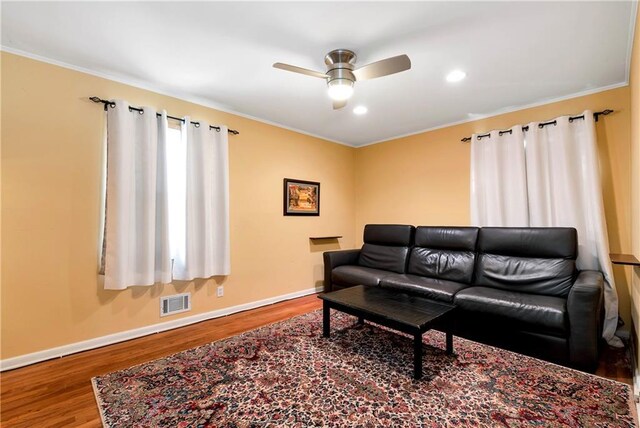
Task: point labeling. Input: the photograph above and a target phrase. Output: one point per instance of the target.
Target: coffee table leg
(449, 343)
(326, 320)
(360, 320)
(417, 356)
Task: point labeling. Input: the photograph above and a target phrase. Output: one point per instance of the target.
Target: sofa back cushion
(528, 259)
(386, 246)
(444, 253)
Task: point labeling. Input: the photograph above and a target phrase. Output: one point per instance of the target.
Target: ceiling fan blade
(383, 67)
(300, 70)
(337, 105)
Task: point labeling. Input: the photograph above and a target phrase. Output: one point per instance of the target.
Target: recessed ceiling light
(456, 76)
(360, 110)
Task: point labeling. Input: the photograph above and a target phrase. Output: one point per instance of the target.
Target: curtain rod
(112, 104)
(596, 115)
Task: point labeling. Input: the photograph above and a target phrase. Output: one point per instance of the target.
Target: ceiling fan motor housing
(340, 65)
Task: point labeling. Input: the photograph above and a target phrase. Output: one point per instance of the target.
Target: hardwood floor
(58, 393)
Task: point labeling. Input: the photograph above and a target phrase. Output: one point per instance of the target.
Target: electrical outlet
(220, 291)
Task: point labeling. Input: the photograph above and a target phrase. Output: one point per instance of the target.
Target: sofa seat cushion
(356, 275)
(431, 288)
(542, 314)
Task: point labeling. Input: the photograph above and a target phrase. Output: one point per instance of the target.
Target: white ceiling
(220, 54)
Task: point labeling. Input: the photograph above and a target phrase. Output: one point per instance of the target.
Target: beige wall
(51, 171)
(635, 182)
(52, 155)
(424, 179)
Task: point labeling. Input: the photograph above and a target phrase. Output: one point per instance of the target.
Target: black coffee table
(393, 309)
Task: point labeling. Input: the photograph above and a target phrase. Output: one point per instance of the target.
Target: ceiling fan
(341, 74)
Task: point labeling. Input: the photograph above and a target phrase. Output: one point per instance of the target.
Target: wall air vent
(175, 304)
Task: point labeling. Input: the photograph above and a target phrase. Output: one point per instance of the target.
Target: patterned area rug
(286, 374)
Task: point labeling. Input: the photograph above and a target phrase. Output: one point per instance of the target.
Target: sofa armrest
(333, 259)
(584, 306)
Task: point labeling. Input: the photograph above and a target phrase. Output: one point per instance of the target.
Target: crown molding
(504, 111)
(159, 90)
(209, 104)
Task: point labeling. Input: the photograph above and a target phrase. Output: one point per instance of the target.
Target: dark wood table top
(412, 311)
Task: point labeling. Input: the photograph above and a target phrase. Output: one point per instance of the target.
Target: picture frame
(301, 197)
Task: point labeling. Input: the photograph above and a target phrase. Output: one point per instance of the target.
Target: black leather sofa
(517, 288)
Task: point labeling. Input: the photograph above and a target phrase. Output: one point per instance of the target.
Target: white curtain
(563, 176)
(498, 179)
(167, 202)
(137, 241)
(547, 177)
(200, 239)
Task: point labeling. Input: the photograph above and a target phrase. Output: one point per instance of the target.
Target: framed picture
(301, 197)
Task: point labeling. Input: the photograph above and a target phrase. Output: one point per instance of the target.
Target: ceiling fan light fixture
(340, 89)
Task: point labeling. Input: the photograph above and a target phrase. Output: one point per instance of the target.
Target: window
(177, 191)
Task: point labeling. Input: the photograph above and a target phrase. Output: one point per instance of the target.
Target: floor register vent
(175, 304)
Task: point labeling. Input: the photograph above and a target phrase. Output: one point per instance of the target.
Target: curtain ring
(112, 104)
(196, 124)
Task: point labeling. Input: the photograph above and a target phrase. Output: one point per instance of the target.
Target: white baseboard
(85, 345)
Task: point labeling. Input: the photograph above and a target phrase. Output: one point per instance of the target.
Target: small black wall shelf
(318, 238)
